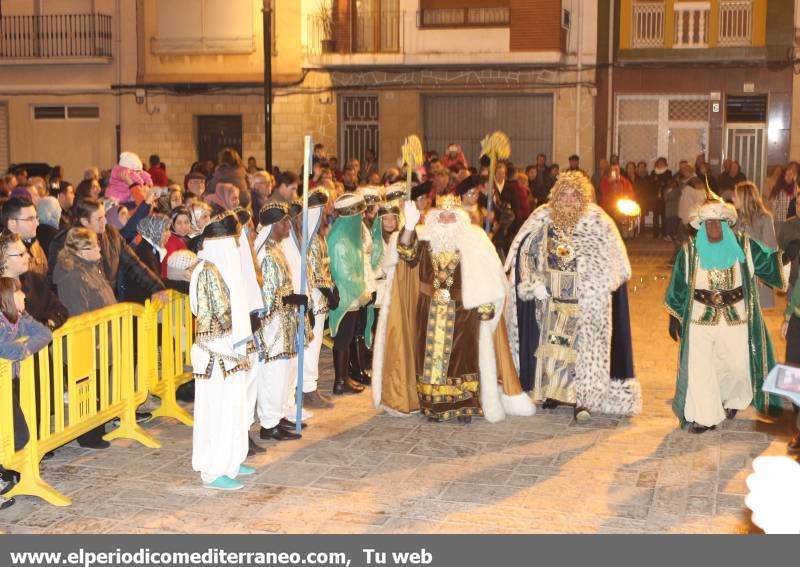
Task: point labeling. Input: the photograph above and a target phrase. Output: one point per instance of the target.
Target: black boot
(356, 365)
(342, 383)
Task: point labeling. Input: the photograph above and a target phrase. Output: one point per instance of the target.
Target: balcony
(357, 32)
(691, 25)
(59, 38)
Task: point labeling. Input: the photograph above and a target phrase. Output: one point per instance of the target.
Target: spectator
(252, 166)
(369, 167)
(646, 190)
(92, 172)
(157, 174)
(19, 217)
(693, 195)
(614, 187)
(231, 171)
(224, 198)
(127, 172)
(285, 190)
(333, 164)
(262, 187)
(10, 182)
(82, 287)
(155, 232)
(49, 212)
(672, 198)
(319, 153)
(21, 174)
(350, 179)
(600, 174)
(180, 226)
(755, 221)
(554, 171)
(40, 186)
(701, 170)
(728, 180)
(542, 181)
(179, 271)
(26, 192)
(42, 304)
(440, 184)
(454, 155)
(775, 173)
(200, 215)
(574, 163)
(55, 177)
(195, 184)
(783, 193)
(662, 180)
(507, 211)
(119, 263)
(66, 199)
(20, 337)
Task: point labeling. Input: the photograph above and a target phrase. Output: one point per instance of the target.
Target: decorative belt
(719, 298)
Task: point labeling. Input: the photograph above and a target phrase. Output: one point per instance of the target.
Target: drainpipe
(609, 117)
(579, 25)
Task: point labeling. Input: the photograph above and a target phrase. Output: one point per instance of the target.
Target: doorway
(215, 133)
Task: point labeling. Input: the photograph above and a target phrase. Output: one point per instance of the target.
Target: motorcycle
(628, 216)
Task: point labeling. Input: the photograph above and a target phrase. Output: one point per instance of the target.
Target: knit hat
(131, 161)
(178, 262)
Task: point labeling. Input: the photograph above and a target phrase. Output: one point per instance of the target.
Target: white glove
(787, 270)
(540, 292)
(411, 214)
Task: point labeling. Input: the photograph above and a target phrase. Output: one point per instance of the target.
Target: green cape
(346, 249)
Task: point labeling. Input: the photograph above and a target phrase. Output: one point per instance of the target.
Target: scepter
(495, 146)
(412, 157)
(301, 331)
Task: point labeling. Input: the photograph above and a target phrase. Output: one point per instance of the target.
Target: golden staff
(496, 146)
(412, 157)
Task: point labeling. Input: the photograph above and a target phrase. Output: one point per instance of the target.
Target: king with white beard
(449, 357)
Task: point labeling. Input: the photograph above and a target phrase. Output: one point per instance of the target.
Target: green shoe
(224, 483)
(244, 470)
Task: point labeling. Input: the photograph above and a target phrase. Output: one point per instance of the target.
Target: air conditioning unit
(565, 18)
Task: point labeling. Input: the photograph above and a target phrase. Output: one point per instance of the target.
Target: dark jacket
(44, 235)
(150, 258)
(82, 286)
(40, 301)
(121, 266)
(235, 176)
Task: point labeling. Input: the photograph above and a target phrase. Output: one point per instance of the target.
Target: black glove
(791, 252)
(675, 328)
(311, 318)
(296, 299)
(372, 298)
(331, 295)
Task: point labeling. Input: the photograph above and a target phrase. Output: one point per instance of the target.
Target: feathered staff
(412, 157)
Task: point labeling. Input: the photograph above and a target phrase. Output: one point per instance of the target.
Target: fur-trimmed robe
(603, 266)
(394, 380)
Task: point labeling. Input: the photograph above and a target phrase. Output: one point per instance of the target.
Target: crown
(448, 202)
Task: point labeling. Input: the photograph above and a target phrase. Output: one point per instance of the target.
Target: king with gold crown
(448, 356)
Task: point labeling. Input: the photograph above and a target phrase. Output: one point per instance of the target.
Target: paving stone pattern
(358, 471)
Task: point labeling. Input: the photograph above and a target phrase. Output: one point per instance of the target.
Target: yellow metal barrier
(87, 377)
(172, 342)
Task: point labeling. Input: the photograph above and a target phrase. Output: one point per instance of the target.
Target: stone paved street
(357, 471)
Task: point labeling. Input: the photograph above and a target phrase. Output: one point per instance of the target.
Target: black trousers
(347, 331)
(21, 433)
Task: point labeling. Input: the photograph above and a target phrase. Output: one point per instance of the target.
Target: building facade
(696, 77)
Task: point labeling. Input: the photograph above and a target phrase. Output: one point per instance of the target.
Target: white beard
(443, 237)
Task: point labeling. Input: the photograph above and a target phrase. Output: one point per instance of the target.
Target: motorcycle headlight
(628, 207)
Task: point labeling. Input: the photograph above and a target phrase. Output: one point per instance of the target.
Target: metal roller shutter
(466, 119)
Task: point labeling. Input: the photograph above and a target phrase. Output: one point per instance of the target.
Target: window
(204, 26)
(61, 112)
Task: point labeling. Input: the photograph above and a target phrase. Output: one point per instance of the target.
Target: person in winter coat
(20, 336)
(83, 287)
(154, 232)
(128, 171)
(662, 179)
(121, 266)
(180, 227)
(231, 170)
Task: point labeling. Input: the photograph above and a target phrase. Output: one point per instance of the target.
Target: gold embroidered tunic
(214, 323)
(279, 323)
(319, 273)
(447, 335)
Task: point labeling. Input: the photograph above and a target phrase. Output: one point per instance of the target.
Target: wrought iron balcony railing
(55, 36)
(356, 32)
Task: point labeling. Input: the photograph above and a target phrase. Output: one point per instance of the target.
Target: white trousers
(311, 360)
(252, 388)
(221, 421)
(272, 390)
(719, 372)
(290, 406)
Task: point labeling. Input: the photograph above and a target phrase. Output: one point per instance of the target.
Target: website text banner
(388, 550)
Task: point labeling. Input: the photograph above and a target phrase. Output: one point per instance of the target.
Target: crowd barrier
(100, 366)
